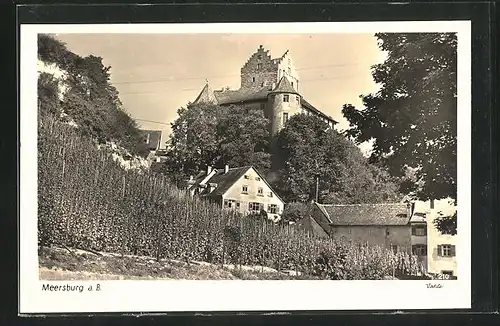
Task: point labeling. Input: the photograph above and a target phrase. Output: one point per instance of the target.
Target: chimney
(226, 168)
(209, 169)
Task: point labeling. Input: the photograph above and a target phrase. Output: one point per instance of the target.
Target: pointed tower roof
(284, 86)
(206, 96)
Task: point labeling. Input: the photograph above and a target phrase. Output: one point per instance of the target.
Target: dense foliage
(308, 152)
(87, 201)
(413, 117)
(89, 98)
(214, 135)
(295, 211)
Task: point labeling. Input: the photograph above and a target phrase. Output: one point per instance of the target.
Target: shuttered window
(446, 250)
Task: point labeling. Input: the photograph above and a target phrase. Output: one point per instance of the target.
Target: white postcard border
(160, 296)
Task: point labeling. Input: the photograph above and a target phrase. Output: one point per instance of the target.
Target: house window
(446, 250)
(244, 189)
(270, 194)
(230, 203)
(419, 250)
(260, 192)
(286, 98)
(272, 209)
(419, 231)
(257, 179)
(285, 117)
(255, 207)
(247, 177)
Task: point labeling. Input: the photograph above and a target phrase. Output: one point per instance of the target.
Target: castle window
(253, 79)
(259, 66)
(292, 84)
(286, 98)
(297, 98)
(285, 118)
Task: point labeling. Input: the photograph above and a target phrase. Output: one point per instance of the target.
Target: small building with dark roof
(387, 225)
(152, 138)
(242, 189)
(269, 84)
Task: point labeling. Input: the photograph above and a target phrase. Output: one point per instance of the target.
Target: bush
(295, 211)
(86, 200)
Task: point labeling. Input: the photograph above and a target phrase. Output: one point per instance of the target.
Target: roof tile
(367, 214)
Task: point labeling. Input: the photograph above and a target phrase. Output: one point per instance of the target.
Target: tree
(310, 155)
(48, 90)
(243, 137)
(412, 119)
(215, 135)
(193, 142)
(90, 100)
(295, 211)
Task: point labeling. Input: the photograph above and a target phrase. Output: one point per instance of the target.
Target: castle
(271, 85)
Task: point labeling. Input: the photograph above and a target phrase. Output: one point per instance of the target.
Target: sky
(156, 74)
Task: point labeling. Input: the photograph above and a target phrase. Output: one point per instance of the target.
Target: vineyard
(87, 201)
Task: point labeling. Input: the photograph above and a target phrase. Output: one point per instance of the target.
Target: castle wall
(260, 70)
(287, 68)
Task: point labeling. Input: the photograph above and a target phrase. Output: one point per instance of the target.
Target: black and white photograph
(245, 159)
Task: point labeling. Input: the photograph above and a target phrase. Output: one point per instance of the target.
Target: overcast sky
(156, 74)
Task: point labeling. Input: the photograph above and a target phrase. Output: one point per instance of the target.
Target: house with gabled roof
(386, 225)
(269, 84)
(242, 189)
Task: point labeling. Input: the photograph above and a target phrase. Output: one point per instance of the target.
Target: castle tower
(206, 96)
(262, 71)
(284, 102)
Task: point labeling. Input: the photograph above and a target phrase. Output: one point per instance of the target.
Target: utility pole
(317, 187)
